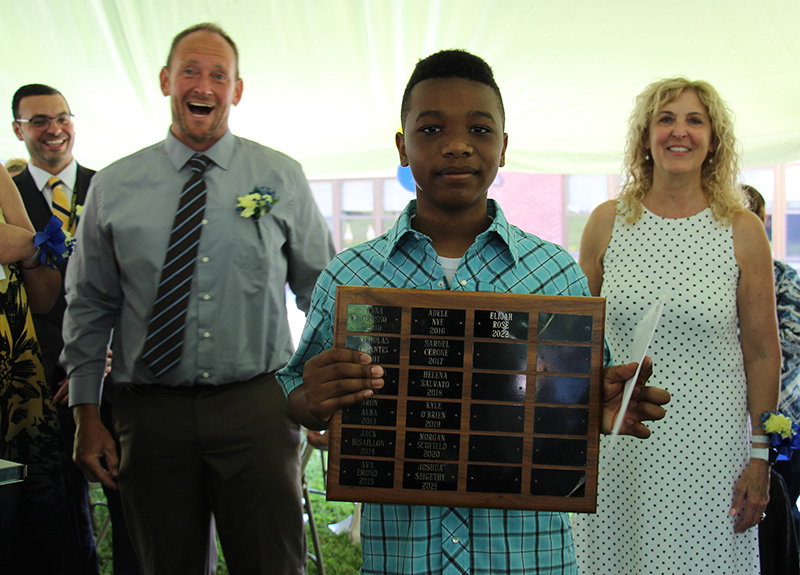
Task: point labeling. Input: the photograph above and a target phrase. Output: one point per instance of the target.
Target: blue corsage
(784, 434)
(256, 204)
(56, 244)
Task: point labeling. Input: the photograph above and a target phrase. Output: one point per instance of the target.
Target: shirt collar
(499, 228)
(400, 228)
(68, 175)
(220, 153)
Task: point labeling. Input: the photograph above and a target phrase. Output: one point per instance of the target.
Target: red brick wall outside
(533, 203)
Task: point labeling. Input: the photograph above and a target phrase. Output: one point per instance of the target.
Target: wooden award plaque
(490, 400)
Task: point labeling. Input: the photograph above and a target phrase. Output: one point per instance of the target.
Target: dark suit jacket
(48, 326)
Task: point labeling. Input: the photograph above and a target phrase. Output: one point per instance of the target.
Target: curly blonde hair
(720, 168)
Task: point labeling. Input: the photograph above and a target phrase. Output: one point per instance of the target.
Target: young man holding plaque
(450, 237)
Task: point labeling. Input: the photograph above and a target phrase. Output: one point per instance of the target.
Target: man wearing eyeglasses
(43, 120)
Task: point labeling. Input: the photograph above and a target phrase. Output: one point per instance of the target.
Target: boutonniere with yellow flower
(784, 434)
(77, 216)
(256, 204)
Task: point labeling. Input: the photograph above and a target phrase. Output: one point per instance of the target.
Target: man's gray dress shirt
(236, 325)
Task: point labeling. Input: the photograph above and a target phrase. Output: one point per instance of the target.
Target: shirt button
(207, 334)
(441, 284)
(206, 374)
(463, 282)
(456, 540)
(205, 259)
(206, 297)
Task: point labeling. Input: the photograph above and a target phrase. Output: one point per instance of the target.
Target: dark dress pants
(230, 450)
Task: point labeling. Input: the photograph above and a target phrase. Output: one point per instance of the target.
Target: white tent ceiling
(323, 78)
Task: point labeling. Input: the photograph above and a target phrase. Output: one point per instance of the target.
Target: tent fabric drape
(324, 78)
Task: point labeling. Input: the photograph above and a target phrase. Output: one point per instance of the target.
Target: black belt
(198, 388)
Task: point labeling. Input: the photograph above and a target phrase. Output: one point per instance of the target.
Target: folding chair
(101, 528)
(307, 450)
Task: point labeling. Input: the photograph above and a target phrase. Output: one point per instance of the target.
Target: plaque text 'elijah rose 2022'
(490, 400)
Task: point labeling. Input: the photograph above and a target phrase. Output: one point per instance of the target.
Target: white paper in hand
(642, 336)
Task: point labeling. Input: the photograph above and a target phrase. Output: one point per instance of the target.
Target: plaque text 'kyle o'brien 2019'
(489, 400)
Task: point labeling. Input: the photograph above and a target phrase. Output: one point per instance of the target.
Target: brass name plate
(491, 400)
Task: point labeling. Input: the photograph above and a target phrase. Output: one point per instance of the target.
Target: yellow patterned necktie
(60, 206)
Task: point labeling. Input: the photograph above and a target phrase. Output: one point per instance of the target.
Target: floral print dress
(28, 418)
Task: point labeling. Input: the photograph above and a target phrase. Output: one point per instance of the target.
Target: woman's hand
(751, 495)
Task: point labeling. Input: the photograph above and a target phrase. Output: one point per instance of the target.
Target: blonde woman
(31, 511)
(686, 501)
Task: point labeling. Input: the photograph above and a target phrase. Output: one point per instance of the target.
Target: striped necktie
(60, 206)
(164, 341)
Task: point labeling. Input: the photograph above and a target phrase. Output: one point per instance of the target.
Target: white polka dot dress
(663, 502)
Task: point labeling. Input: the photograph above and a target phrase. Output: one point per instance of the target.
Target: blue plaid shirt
(787, 294)
(414, 540)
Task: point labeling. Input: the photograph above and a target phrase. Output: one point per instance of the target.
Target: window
(358, 210)
(395, 198)
(763, 180)
(792, 197)
(584, 193)
(323, 195)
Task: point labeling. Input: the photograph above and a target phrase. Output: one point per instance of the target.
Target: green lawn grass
(340, 555)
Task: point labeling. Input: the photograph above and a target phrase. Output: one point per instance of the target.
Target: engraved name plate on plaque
(490, 400)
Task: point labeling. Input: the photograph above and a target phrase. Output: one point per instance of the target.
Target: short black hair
(204, 27)
(451, 64)
(32, 90)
